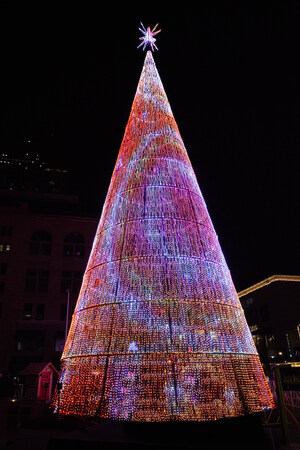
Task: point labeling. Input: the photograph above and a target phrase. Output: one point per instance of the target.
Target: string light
(158, 333)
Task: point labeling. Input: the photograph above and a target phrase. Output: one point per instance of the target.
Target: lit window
(5, 248)
(27, 311)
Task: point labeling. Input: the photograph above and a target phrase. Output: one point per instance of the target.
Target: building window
(5, 248)
(6, 230)
(0, 309)
(30, 341)
(74, 245)
(247, 302)
(252, 317)
(27, 314)
(264, 313)
(63, 311)
(270, 342)
(40, 243)
(40, 311)
(59, 341)
(36, 280)
(2, 286)
(258, 339)
(11, 419)
(71, 280)
(3, 268)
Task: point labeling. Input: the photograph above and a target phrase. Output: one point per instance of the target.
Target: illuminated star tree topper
(148, 38)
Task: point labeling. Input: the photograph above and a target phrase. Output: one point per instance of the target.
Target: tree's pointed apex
(151, 112)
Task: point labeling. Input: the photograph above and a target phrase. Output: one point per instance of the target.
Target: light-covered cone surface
(158, 333)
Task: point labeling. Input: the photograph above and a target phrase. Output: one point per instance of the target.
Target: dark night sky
(231, 72)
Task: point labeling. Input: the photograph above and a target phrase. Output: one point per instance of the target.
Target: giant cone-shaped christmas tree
(158, 333)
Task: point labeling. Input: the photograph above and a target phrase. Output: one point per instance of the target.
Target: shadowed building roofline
(267, 281)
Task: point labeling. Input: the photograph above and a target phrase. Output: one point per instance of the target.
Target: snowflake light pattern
(148, 38)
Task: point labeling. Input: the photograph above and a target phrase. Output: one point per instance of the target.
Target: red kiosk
(39, 380)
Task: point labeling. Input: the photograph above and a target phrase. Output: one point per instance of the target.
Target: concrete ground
(53, 433)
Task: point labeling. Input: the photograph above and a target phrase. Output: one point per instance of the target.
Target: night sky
(231, 73)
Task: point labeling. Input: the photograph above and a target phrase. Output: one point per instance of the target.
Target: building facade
(42, 260)
(272, 310)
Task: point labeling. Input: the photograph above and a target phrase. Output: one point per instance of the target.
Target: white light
(148, 37)
(133, 346)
